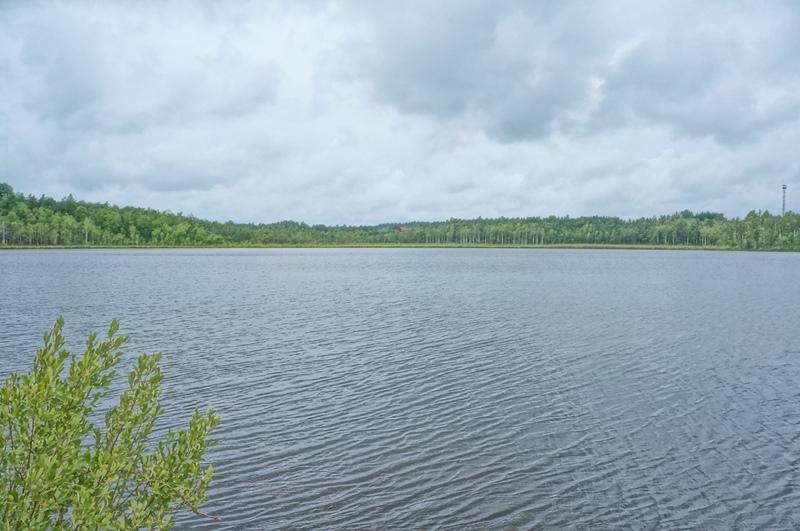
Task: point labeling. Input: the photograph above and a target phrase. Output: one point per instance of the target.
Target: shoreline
(575, 246)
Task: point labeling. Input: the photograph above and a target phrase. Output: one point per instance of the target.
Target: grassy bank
(401, 246)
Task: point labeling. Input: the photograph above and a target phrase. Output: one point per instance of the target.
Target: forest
(43, 221)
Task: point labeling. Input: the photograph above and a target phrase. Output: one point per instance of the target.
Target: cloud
(525, 72)
(364, 112)
(513, 69)
(709, 78)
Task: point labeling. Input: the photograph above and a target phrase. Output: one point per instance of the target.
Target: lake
(456, 388)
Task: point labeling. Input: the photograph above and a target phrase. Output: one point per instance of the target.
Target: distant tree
(6, 190)
(45, 221)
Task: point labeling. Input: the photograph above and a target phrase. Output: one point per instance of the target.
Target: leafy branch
(60, 471)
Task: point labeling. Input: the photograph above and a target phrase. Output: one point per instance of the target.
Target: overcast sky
(365, 112)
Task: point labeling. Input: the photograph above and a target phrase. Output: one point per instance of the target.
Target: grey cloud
(524, 70)
(703, 83)
(89, 68)
(492, 60)
(362, 112)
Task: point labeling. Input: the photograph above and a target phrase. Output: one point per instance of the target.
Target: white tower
(783, 205)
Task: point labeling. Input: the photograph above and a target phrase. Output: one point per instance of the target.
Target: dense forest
(44, 221)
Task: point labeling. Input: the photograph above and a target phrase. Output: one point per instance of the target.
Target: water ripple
(364, 389)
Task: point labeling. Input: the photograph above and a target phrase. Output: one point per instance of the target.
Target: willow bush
(58, 470)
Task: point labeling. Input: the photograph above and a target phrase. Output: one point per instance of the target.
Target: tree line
(44, 221)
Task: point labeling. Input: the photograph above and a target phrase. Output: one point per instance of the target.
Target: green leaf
(58, 470)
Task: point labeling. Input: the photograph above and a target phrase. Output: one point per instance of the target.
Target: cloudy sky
(364, 112)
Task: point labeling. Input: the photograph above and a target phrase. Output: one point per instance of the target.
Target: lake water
(463, 389)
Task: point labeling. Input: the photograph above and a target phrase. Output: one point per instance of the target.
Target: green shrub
(59, 471)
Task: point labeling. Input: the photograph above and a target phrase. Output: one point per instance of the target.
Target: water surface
(421, 388)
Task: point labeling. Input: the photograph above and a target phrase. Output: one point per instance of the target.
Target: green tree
(60, 471)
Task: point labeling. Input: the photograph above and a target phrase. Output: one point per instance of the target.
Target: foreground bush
(58, 470)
